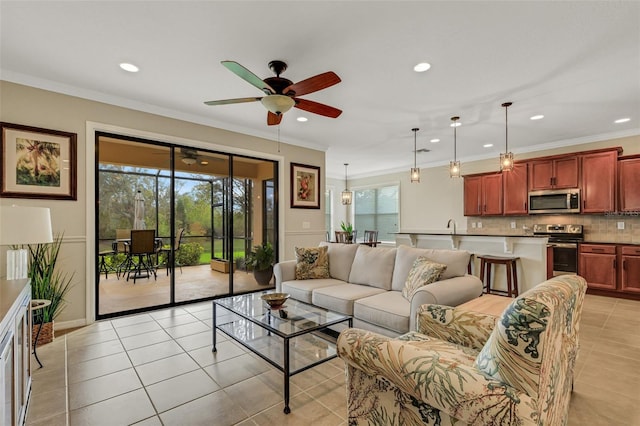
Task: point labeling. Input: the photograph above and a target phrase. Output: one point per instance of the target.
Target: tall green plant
(47, 282)
(261, 257)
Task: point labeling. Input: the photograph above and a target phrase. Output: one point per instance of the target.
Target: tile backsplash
(597, 228)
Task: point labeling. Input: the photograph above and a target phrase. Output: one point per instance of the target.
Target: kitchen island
(531, 249)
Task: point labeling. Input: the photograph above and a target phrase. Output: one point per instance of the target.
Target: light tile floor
(157, 368)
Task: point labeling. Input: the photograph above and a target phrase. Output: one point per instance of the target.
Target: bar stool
(486, 264)
(103, 267)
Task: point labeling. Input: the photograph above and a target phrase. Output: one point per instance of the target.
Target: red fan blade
(248, 76)
(313, 84)
(317, 108)
(273, 119)
(232, 101)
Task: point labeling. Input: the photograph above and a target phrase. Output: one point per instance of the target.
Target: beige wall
(428, 205)
(39, 108)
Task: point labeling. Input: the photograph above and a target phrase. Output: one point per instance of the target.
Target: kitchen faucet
(454, 225)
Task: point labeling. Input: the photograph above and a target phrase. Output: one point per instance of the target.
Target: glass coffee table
(292, 338)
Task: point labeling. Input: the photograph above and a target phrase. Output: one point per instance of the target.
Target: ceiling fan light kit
(278, 104)
(506, 158)
(282, 94)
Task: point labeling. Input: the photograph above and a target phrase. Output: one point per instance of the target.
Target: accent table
(37, 304)
(292, 338)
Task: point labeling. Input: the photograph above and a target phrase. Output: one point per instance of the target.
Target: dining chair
(143, 245)
(121, 246)
(343, 237)
(370, 238)
(169, 255)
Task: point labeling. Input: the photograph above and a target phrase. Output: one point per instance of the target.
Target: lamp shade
(25, 225)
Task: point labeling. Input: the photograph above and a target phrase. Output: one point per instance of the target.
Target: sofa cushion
(301, 289)
(340, 298)
(340, 259)
(388, 310)
(373, 266)
(423, 272)
(312, 263)
(456, 261)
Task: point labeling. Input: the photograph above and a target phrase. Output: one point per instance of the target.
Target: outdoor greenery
(261, 257)
(189, 254)
(47, 282)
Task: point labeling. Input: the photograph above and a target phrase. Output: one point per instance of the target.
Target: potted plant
(47, 283)
(348, 228)
(260, 260)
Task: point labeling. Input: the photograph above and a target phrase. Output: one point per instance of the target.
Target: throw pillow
(313, 262)
(423, 272)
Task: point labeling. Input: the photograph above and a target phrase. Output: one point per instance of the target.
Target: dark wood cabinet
(599, 171)
(483, 195)
(597, 264)
(630, 269)
(629, 183)
(472, 199)
(555, 173)
(515, 190)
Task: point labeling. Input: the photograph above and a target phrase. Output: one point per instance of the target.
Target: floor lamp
(19, 226)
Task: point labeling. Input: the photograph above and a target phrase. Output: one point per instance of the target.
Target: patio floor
(193, 283)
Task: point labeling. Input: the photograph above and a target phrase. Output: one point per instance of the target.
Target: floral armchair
(464, 367)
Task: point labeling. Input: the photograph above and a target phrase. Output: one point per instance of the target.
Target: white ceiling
(578, 63)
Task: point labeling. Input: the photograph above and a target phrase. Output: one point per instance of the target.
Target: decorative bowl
(275, 300)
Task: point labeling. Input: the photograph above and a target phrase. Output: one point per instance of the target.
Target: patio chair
(169, 255)
(143, 245)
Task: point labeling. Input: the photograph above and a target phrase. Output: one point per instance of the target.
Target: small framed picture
(305, 186)
(38, 163)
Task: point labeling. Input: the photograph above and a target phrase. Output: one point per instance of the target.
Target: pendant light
(415, 171)
(347, 195)
(454, 166)
(506, 158)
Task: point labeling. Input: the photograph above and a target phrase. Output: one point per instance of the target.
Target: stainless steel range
(562, 250)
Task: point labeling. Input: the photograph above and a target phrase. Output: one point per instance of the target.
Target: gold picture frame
(305, 186)
(38, 163)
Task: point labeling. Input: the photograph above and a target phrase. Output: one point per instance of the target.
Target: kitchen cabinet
(15, 351)
(599, 171)
(629, 269)
(597, 263)
(483, 195)
(554, 173)
(515, 190)
(628, 183)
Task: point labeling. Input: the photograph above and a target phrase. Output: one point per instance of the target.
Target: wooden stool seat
(486, 265)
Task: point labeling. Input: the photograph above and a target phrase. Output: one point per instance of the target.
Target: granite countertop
(11, 293)
(469, 234)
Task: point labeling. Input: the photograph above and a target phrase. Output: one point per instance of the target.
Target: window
(376, 208)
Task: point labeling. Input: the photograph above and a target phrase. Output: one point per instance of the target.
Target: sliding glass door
(207, 209)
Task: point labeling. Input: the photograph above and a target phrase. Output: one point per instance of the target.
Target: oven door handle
(563, 245)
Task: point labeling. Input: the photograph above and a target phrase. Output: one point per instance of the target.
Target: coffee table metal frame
(253, 312)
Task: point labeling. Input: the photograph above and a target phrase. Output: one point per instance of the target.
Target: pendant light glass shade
(454, 166)
(506, 158)
(415, 171)
(347, 196)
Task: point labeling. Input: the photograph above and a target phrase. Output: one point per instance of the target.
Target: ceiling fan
(281, 93)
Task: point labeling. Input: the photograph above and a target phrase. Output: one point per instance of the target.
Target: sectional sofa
(367, 282)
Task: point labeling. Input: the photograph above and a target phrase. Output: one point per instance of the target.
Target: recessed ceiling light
(455, 124)
(622, 120)
(422, 67)
(537, 117)
(129, 67)
(302, 119)
(434, 140)
(487, 145)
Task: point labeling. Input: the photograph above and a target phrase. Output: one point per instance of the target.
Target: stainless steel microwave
(554, 201)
